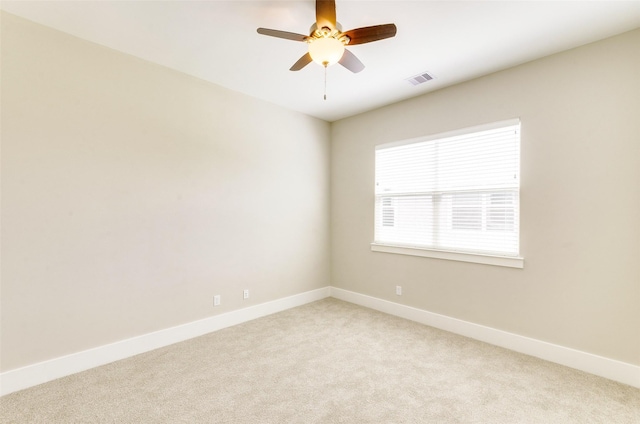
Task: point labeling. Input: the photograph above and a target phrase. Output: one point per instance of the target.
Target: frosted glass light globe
(326, 51)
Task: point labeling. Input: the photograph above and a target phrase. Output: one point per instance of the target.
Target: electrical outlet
(399, 290)
(245, 294)
(216, 300)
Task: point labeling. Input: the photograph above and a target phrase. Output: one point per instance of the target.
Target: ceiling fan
(327, 41)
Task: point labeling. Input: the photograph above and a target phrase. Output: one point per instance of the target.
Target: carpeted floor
(327, 362)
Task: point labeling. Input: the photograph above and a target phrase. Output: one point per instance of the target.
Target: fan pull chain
(325, 81)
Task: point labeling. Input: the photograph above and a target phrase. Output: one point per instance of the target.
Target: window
(455, 195)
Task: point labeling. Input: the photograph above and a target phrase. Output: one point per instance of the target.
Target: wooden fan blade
(301, 63)
(351, 62)
(369, 34)
(282, 34)
(325, 14)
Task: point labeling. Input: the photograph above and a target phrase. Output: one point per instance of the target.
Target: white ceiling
(453, 40)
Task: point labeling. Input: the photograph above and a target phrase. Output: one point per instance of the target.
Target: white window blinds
(453, 192)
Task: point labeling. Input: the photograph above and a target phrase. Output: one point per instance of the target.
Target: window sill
(507, 261)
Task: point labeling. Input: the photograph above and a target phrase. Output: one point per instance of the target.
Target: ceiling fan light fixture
(326, 51)
(327, 41)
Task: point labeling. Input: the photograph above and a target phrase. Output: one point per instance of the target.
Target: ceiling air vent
(420, 78)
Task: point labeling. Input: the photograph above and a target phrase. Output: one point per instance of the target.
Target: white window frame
(489, 259)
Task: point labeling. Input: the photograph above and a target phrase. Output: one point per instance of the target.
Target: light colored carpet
(327, 362)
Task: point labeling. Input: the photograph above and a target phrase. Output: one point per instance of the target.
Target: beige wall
(580, 202)
(131, 194)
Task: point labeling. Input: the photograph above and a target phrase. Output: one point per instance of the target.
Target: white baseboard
(42, 372)
(32, 375)
(593, 364)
